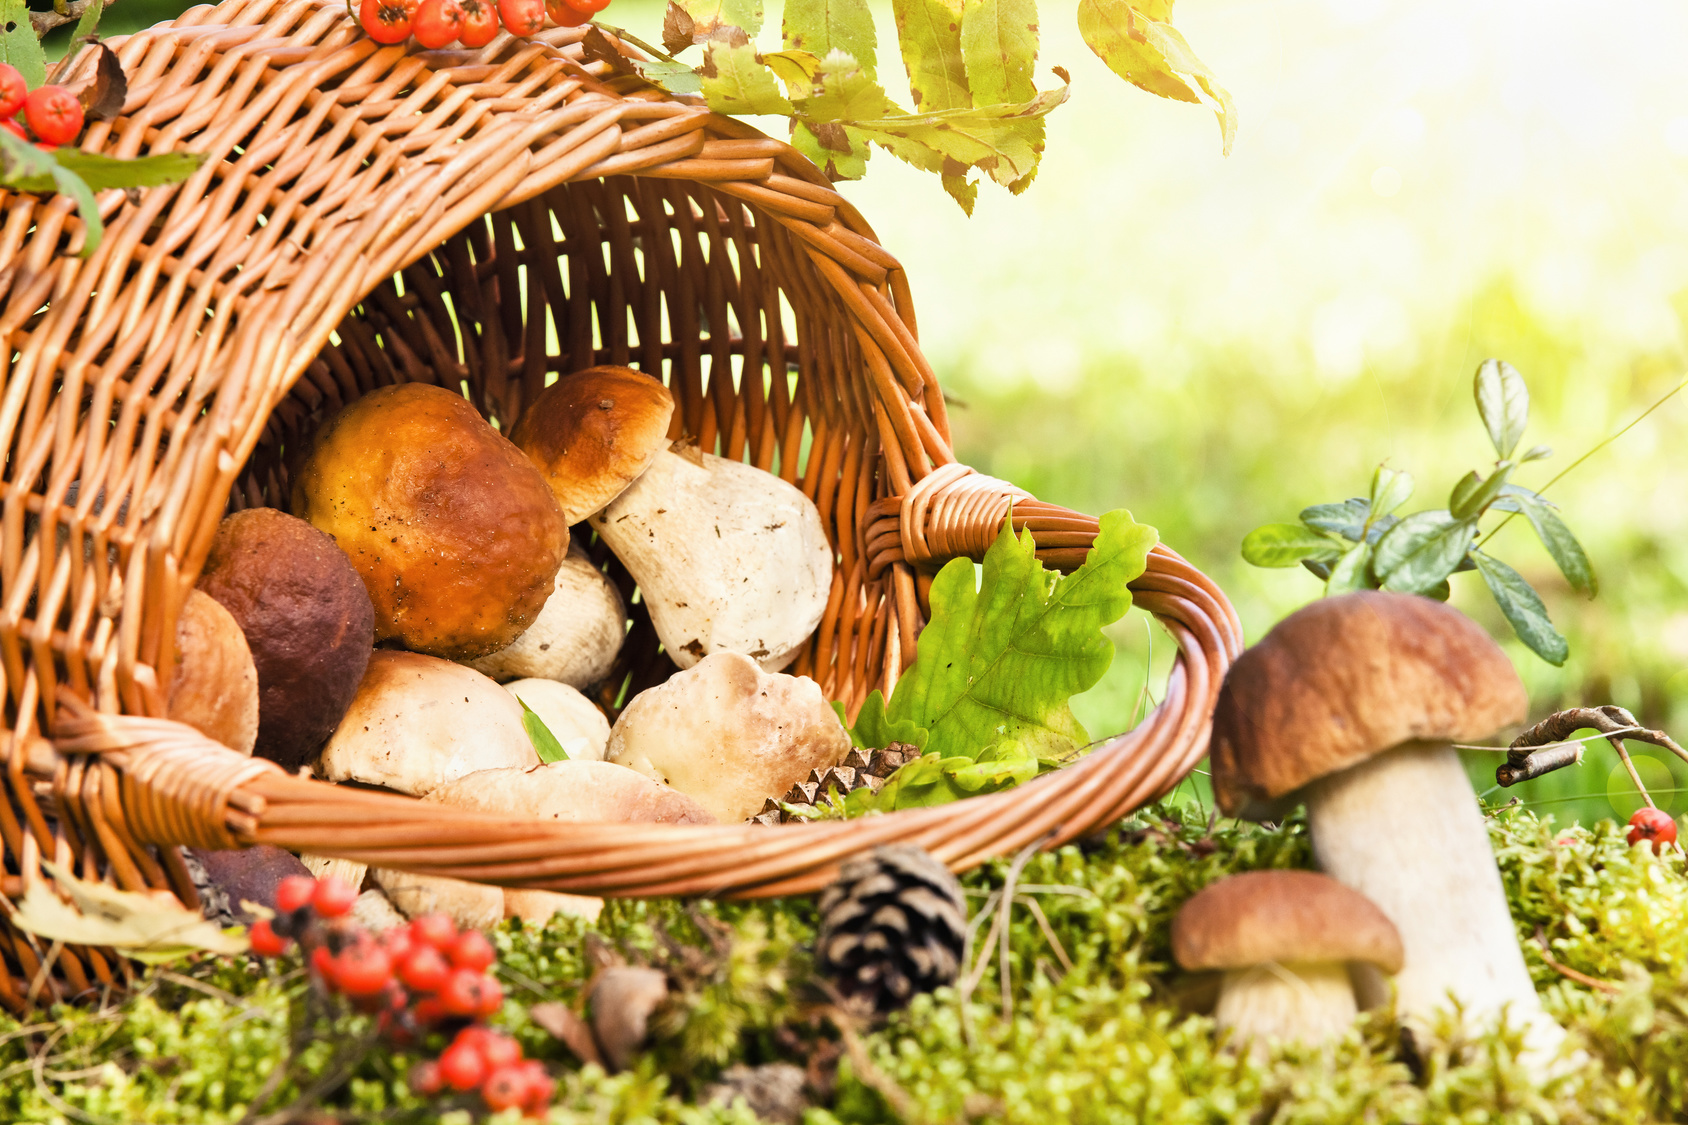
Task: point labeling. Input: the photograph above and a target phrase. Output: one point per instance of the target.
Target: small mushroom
(1351, 705)
(576, 636)
(307, 618)
(419, 722)
(246, 875)
(375, 912)
(729, 734)
(539, 907)
(593, 432)
(728, 558)
(572, 791)
(1284, 941)
(473, 906)
(214, 688)
(347, 871)
(575, 720)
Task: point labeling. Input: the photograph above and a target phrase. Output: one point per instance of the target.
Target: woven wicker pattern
(485, 221)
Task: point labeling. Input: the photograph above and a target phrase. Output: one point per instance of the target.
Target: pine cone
(892, 925)
(860, 769)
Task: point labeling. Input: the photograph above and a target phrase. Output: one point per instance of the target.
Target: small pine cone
(860, 769)
(892, 925)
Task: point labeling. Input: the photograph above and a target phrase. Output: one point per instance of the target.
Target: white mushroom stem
(1307, 1003)
(1404, 829)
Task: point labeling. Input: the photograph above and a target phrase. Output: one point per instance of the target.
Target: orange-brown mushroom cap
(1282, 916)
(593, 432)
(1349, 677)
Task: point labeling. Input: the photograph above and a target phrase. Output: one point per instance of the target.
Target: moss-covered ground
(1098, 1027)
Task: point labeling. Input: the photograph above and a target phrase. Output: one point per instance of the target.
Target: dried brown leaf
(564, 1024)
(103, 97)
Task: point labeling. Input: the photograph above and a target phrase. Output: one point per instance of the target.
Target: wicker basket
(485, 220)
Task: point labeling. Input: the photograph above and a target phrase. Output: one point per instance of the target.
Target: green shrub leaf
(545, 743)
(1523, 608)
(1421, 550)
(1503, 402)
(1390, 488)
(1473, 494)
(1351, 572)
(1567, 552)
(1287, 544)
(1347, 519)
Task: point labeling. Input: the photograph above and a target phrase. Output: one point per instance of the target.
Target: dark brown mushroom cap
(1346, 678)
(1283, 917)
(593, 432)
(307, 618)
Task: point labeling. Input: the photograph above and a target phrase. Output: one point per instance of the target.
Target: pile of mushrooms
(1350, 706)
(424, 530)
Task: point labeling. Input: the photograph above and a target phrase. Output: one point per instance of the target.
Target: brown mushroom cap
(1346, 678)
(1282, 916)
(307, 618)
(593, 432)
(214, 688)
(455, 534)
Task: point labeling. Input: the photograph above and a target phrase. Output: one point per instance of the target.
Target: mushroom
(419, 722)
(728, 558)
(243, 875)
(214, 688)
(347, 871)
(1284, 941)
(306, 617)
(729, 734)
(575, 720)
(473, 906)
(455, 534)
(1350, 705)
(572, 791)
(375, 912)
(575, 638)
(593, 432)
(539, 907)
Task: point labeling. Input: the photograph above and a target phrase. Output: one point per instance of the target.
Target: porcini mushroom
(728, 558)
(575, 638)
(473, 906)
(419, 721)
(1350, 705)
(593, 432)
(1284, 941)
(214, 687)
(576, 722)
(574, 792)
(729, 734)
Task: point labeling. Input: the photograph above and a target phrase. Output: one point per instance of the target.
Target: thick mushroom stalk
(1404, 829)
(1303, 1002)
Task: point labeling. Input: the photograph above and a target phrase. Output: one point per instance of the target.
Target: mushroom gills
(1404, 829)
(1291, 1002)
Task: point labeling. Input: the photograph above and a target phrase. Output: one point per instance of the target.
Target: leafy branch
(970, 67)
(1361, 544)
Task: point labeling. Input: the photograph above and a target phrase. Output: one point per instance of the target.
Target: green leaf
(1390, 488)
(85, 28)
(964, 191)
(712, 19)
(823, 26)
(1473, 494)
(1139, 46)
(929, 35)
(545, 743)
(1347, 519)
(736, 82)
(674, 76)
(1172, 45)
(1503, 402)
(999, 49)
(840, 155)
(1523, 609)
(1001, 659)
(1567, 552)
(875, 730)
(1421, 550)
(1288, 544)
(797, 69)
(19, 46)
(1351, 572)
(102, 173)
(845, 92)
(1005, 141)
(1537, 453)
(144, 926)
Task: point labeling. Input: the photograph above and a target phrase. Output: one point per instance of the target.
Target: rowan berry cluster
(472, 23)
(420, 979)
(53, 114)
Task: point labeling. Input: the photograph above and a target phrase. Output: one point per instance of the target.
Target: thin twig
(1031, 904)
(1007, 907)
(1569, 973)
(871, 1076)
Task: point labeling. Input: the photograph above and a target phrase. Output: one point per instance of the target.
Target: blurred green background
(1217, 342)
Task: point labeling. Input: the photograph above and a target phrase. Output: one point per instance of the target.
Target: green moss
(1103, 1040)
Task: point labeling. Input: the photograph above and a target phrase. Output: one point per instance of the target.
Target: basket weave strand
(485, 221)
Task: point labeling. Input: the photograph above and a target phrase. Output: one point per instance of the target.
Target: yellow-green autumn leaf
(144, 926)
(1134, 38)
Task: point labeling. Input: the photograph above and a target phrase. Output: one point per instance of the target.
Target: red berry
(293, 892)
(322, 960)
(397, 942)
(13, 90)
(437, 23)
(590, 7)
(437, 930)
(541, 1088)
(333, 897)
(424, 970)
(480, 23)
(429, 1011)
(425, 1078)
(472, 950)
(385, 21)
(363, 969)
(1652, 824)
(498, 1050)
(564, 14)
(11, 125)
(522, 17)
(505, 1087)
(462, 1067)
(264, 940)
(492, 997)
(465, 991)
(54, 114)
